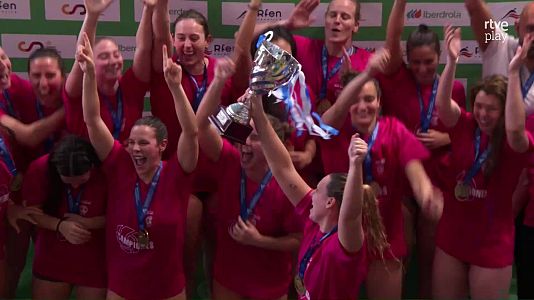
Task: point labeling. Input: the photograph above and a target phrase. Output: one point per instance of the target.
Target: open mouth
(139, 161)
(246, 154)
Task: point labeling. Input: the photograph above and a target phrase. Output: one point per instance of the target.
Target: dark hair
(279, 33)
(350, 75)
(422, 36)
(72, 156)
(47, 52)
(196, 16)
(100, 39)
(493, 85)
(156, 124)
(281, 127)
(356, 11)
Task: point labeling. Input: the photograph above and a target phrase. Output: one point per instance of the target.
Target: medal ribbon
(426, 118)
(479, 159)
(309, 253)
(368, 159)
(116, 114)
(327, 76)
(142, 209)
(526, 87)
(199, 90)
(246, 211)
(49, 141)
(74, 203)
(9, 109)
(7, 158)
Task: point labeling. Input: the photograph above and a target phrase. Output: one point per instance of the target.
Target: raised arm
(350, 231)
(514, 119)
(143, 41)
(480, 17)
(99, 134)
(294, 187)
(94, 8)
(208, 138)
(335, 115)
(448, 110)
(242, 56)
(33, 134)
(393, 36)
(162, 33)
(300, 17)
(188, 142)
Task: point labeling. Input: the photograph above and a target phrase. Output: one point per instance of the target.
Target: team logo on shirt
(127, 238)
(475, 193)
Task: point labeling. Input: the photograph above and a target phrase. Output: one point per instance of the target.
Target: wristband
(59, 223)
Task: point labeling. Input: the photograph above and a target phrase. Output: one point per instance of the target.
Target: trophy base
(229, 128)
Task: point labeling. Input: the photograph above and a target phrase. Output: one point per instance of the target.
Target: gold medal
(299, 285)
(322, 106)
(16, 183)
(375, 187)
(142, 239)
(461, 191)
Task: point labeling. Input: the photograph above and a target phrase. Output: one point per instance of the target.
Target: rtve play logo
(78, 8)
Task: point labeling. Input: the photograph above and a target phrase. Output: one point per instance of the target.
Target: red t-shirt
(5, 182)
(332, 272)
(251, 272)
(55, 257)
(162, 103)
(480, 230)
(400, 100)
(158, 272)
(393, 149)
(133, 97)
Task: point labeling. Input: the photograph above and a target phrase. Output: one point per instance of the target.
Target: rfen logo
(221, 47)
(511, 14)
(29, 47)
(414, 14)
(66, 9)
(19, 9)
(265, 14)
(75, 10)
(465, 52)
(233, 13)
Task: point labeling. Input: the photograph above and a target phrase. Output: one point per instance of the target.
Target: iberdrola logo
(414, 14)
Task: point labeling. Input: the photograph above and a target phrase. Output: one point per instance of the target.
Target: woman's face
(366, 108)
(283, 44)
(144, 149)
(487, 111)
(423, 62)
(251, 153)
(76, 181)
(108, 60)
(46, 79)
(340, 21)
(320, 200)
(190, 42)
(5, 70)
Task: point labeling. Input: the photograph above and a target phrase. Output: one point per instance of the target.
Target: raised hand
(346, 67)
(453, 41)
(96, 6)
(171, 70)
(84, 56)
(357, 149)
(225, 68)
(378, 62)
(255, 3)
(300, 16)
(521, 54)
(150, 3)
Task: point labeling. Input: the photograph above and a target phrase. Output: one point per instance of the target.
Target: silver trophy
(273, 68)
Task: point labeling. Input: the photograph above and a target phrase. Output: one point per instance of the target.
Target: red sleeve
(35, 187)
(74, 115)
(409, 147)
(458, 93)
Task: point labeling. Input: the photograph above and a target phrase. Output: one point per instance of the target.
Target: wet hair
(372, 221)
(194, 15)
(279, 33)
(155, 123)
(356, 11)
(495, 85)
(350, 75)
(47, 52)
(72, 156)
(422, 36)
(281, 128)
